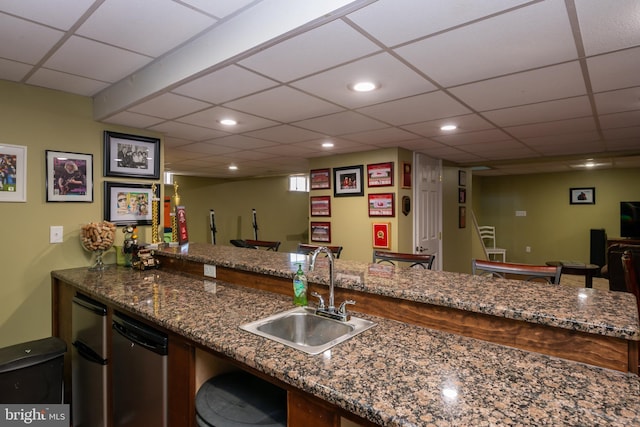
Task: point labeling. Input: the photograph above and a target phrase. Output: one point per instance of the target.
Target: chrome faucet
(330, 310)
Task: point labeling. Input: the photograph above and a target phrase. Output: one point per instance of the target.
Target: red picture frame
(380, 175)
(321, 232)
(320, 205)
(320, 179)
(382, 204)
(381, 235)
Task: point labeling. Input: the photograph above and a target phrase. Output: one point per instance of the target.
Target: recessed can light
(448, 127)
(233, 167)
(364, 86)
(228, 122)
(327, 144)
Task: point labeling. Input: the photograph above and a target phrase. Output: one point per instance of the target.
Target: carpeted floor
(578, 281)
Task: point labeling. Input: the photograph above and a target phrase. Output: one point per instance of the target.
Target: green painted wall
(553, 228)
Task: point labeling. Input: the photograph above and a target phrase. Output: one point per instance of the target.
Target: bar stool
(239, 399)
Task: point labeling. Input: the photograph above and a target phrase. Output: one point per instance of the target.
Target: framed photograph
(462, 217)
(321, 232)
(381, 235)
(462, 178)
(406, 175)
(380, 175)
(320, 179)
(69, 177)
(382, 204)
(126, 203)
(582, 196)
(183, 234)
(131, 156)
(347, 181)
(320, 205)
(462, 195)
(13, 173)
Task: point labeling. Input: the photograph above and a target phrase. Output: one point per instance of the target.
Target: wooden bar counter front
(448, 348)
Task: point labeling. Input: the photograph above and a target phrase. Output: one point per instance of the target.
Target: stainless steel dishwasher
(89, 362)
(139, 374)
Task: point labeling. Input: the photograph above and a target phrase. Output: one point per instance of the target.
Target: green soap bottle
(300, 287)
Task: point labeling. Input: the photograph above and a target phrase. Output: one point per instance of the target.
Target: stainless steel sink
(304, 330)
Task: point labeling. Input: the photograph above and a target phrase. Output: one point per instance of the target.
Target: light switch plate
(55, 234)
(210, 270)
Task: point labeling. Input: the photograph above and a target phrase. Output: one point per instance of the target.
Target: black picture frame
(462, 178)
(131, 156)
(69, 176)
(138, 207)
(347, 181)
(582, 196)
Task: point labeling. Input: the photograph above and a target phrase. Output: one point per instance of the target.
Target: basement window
(299, 183)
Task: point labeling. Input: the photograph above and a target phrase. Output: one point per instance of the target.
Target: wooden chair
(507, 270)
(488, 233)
(305, 248)
(417, 260)
(270, 246)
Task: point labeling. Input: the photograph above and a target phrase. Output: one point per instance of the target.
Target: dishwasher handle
(142, 335)
(87, 352)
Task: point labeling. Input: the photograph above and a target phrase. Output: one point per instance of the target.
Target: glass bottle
(300, 287)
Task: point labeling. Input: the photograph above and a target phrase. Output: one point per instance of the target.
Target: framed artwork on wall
(381, 235)
(13, 173)
(380, 175)
(126, 203)
(462, 195)
(462, 178)
(382, 204)
(320, 205)
(131, 156)
(406, 175)
(321, 232)
(347, 181)
(69, 176)
(582, 196)
(320, 179)
(462, 217)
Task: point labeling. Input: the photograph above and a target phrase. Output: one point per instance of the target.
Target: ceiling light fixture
(327, 144)
(233, 167)
(448, 127)
(228, 122)
(364, 87)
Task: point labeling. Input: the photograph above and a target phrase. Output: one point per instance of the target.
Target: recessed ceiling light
(233, 167)
(228, 122)
(327, 144)
(364, 86)
(448, 127)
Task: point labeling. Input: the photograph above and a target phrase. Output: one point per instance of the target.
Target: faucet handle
(343, 307)
(321, 305)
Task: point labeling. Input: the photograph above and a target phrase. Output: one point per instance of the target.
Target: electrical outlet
(210, 270)
(55, 233)
(527, 249)
(521, 213)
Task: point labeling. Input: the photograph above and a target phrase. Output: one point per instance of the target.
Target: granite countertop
(394, 374)
(581, 309)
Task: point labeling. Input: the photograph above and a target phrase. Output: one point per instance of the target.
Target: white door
(428, 207)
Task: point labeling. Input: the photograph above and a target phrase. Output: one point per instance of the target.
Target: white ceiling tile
(623, 133)
(95, 60)
(616, 70)
(66, 82)
(340, 123)
(61, 14)
(481, 136)
(283, 103)
(169, 106)
(617, 120)
(618, 101)
(559, 127)
(398, 21)
(208, 148)
(430, 106)
(285, 134)
(607, 25)
(532, 36)
(241, 142)
(210, 118)
(571, 139)
(218, 8)
(466, 123)
(380, 136)
(396, 80)
(127, 118)
(13, 71)
(226, 84)
(182, 130)
(25, 41)
(541, 112)
(149, 28)
(503, 150)
(559, 81)
(623, 145)
(318, 49)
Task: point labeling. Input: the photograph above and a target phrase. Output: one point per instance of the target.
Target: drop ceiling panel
(240, 142)
(473, 137)
(541, 112)
(466, 123)
(285, 134)
(380, 136)
(183, 130)
(528, 87)
(66, 82)
(283, 104)
(128, 118)
(169, 106)
(607, 25)
(211, 118)
(559, 144)
(208, 148)
(504, 150)
(13, 71)
(398, 21)
(560, 127)
(615, 71)
(341, 123)
(218, 8)
(395, 80)
(534, 36)
(630, 118)
(61, 14)
(618, 101)
(226, 84)
(318, 49)
(25, 41)
(149, 28)
(430, 106)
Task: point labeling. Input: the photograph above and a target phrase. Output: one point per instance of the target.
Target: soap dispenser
(300, 287)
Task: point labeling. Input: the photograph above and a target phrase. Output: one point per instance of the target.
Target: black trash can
(239, 399)
(32, 372)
